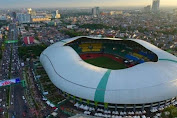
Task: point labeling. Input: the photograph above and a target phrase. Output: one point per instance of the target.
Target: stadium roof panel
(144, 83)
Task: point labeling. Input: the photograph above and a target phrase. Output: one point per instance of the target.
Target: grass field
(106, 62)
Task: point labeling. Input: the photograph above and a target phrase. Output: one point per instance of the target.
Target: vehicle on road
(23, 97)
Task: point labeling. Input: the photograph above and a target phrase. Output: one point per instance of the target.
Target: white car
(23, 97)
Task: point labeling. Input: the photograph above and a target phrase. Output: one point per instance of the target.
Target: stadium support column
(159, 105)
(106, 105)
(143, 107)
(151, 106)
(80, 100)
(65, 94)
(165, 102)
(96, 104)
(88, 102)
(116, 107)
(68, 96)
(125, 107)
(134, 107)
(74, 98)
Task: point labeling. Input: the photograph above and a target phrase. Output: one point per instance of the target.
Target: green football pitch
(106, 62)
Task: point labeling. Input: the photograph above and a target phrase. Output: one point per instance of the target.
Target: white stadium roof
(148, 82)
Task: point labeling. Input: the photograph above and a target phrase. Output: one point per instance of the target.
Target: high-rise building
(23, 18)
(14, 15)
(31, 12)
(55, 14)
(96, 11)
(155, 5)
(147, 8)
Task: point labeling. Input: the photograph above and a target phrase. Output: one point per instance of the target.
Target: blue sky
(79, 3)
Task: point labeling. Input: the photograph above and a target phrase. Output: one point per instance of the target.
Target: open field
(106, 62)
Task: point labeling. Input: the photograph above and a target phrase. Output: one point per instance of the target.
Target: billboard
(11, 41)
(9, 82)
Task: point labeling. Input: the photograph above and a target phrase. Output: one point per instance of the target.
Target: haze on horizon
(80, 3)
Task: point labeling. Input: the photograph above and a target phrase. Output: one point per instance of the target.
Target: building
(14, 15)
(31, 12)
(40, 18)
(147, 9)
(175, 12)
(28, 40)
(149, 85)
(116, 12)
(56, 14)
(3, 17)
(71, 26)
(23, 18)
(96, 11)
(155, 5)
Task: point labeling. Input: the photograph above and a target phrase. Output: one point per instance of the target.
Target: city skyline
(88, 58)
(80, 3)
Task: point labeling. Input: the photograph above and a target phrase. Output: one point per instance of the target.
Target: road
(17, 105)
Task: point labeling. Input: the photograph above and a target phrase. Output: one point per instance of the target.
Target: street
(12, 103)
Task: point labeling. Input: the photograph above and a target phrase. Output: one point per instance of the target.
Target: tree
(172, 110)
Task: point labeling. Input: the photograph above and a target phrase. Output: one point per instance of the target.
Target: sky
(79, 3)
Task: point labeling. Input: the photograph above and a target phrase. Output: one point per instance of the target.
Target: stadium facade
(150, 83)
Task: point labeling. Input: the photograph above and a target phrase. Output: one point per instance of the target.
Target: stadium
(111, 73)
